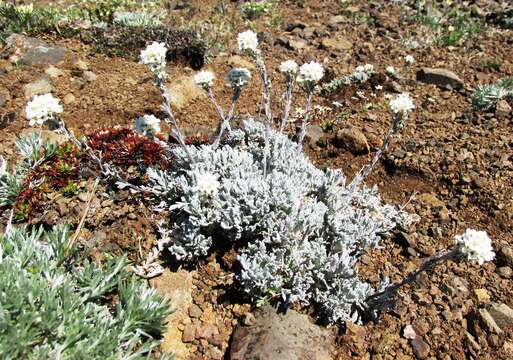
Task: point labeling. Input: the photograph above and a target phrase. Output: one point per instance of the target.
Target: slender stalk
(384, 300)
(287, 102)
(170, 119)
(306, 118)
(397, 122)
(225, 124)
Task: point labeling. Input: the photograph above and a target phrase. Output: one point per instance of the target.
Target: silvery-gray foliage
(33, 151)
(301, 229)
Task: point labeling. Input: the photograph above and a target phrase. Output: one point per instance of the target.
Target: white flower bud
(310, 72)
(409, 59)
(238, 77)
(289, 67)
(207, 184)
(147, 125)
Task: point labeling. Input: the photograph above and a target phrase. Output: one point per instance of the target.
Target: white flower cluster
(310, 73)
(247, 41)
(207, 184)
(147, 125)
(238, 77)
(289, 67)
(42, 108)
(409, 59)
(361, 74)
(402, 104)
(476, 246)
(390, 70)
(204, 79)
(154, 56)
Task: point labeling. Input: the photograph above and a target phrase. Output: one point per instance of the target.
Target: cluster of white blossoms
(238, 77)
(402, 104)
(409, 59)
(207, 184)
(390, 70)
(289, 67)
(42, 108)
(148, 125)
(476, 246)
(247, 41)
(310, 72)
(25, 9)
(204, 79)
(367, 68)
(154, 56)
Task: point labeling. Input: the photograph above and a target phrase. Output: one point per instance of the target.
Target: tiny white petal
(476, 245)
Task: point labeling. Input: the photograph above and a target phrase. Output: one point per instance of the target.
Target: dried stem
(308, 109)
(287, 102)
(384, 300)
(225, 124)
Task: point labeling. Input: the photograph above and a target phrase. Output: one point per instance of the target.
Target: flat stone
(38, 87)
(288, 336)
(177, 287)
(68, 99)
(502, 314)
(431, 200)
(314, 135)
(420, 348)
(353, 139)
(89, 76)
(54, 72)
(44, 55)
(337, 43)
(503, 109)
(409, 332)
(443, 78)
(506, 255)
(182, 90)
(489, 322)
(458, 287)
(482, 296)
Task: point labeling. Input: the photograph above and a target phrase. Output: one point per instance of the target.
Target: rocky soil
(452, 166)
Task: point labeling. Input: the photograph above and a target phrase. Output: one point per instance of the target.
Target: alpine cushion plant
(299, 230)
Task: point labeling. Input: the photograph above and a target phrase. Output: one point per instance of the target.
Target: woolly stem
(384, 300)
(225, 125)
(306, 118)
(287, 101)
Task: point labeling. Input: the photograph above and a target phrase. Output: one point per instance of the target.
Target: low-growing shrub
(487, 96)
(55, 305)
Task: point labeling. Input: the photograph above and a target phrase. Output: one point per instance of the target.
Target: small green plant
(492, 64)
(56, 305)
(255, 8)
(21, 213)
(487, 96)
(70, 189)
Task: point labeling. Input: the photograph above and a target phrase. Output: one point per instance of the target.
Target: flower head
(238, 77)
(368, 68)
(310, 72)
(42, 108)
(147, 125)
(247, 41)
(409, 59)
(207, 184)
(204, 79)
(25, 9)
(154, 56)
(289, 67)
(476, 245)
(402, 104)
(390, 70)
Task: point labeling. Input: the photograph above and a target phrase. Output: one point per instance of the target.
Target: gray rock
(38, 87)
(420, 347)
(502, 109)
(443, 78)
(54, 72)
(314, 135)
(32, 51)
(89, 76)
(287, 336)
(353, 139)
(502, 314)
(458, 287)
(489, 323)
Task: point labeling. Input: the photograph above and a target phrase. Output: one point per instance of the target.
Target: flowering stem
(288, 102)
(170, 118)
(225, 125)
(384, 300)
(397, 121)
(308, 108)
